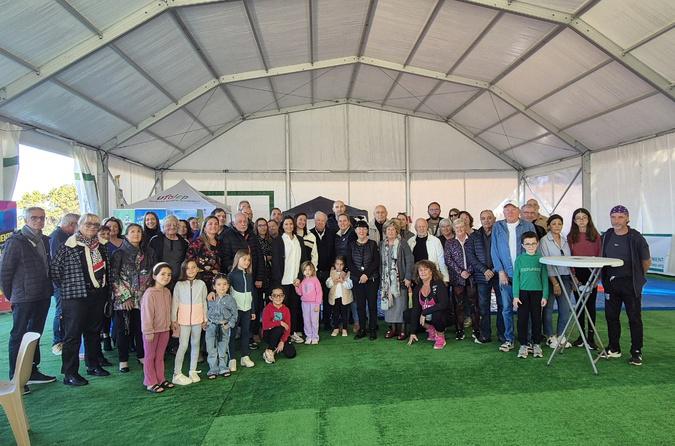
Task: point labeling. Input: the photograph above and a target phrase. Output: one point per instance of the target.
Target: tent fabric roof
(150, 81)
(178, 196)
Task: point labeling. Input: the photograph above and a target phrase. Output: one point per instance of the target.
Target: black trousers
(243, 321)
(366, 292)
(81, 318)
(621, 292)
(583, 274)
(461, 295)
(128, 327)
(292, 301)
(340, 314)
(258, 304)
(439, 320)
(272, 338)
(26, 316)
(529, 311)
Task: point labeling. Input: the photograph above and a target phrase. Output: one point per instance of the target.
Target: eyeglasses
(454, 215)
(37, 218)
(278, 294)
(92, 225)
(530, 244)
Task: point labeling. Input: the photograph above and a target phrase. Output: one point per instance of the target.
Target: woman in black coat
(288, 253)
(429, 304)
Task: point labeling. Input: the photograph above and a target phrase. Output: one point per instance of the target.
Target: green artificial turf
(347, 392)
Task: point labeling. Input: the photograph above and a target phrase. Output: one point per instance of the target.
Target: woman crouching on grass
(429, 304)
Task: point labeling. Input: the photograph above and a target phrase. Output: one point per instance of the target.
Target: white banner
(659, 247)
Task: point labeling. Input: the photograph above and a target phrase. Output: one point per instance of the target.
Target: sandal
(211, 376)
(167, 385)
(156, 389)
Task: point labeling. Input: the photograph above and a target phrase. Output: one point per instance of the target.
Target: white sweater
(436, 254)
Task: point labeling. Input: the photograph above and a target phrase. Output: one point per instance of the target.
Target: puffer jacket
(23, 274)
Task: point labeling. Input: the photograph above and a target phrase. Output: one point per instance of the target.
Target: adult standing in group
(623, 284)
(376, 230)
(205, 251)
(265, 249)
(273, 228)
(308, 237)
(397, 272)
(584, 240)
(487, 281)
(467, 218)
(82, 270)
(150, 226)
(115, 241)
(277, 215)
(425, 246)
(430, 304)
(246, 209)
(445, 232)
(506, 244)
(363, 259)
(221, 215)
(463, 287)
(287, 256)
(539, 220)
(528, 214)
(434, 211)
(406, 233)
(169, 247)
(343, 238)
(453, 214)
(130, 270)
(325, 246)
(24, 276)
(116, 238)
(67, 227)
(184, 230)
(194, 227)
(339, 208)
(554, 244)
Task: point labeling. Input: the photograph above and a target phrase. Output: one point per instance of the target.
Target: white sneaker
(315, 341)
(194, 376)
(552, 342)
(522, 352)
(57, 348)
(344, 333)
(268, 356)
(246, 362)
(506, 346)
(536, 351)
(335, 332)
(297, 339)
(233, 365)
(564, 343)
(181, 380)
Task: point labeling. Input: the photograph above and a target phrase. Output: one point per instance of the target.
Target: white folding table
(595, 264)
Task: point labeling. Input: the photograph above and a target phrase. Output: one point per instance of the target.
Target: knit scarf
(97, 262)
(390, 277)
(35, 239)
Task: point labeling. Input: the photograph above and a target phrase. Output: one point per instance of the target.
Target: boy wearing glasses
(276, 324)
(530, 293)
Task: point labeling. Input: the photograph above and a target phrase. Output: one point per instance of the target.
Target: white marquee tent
(466, 102)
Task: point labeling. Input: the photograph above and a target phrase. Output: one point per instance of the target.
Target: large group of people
(224, 290)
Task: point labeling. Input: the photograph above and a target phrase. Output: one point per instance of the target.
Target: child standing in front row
(222, 315)
(530, 293)
(311, 295)
(188, 315)
(241, 288)
(155, 325)
(276, 324)
(340, 295)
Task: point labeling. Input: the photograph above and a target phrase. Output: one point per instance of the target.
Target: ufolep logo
(171, 197)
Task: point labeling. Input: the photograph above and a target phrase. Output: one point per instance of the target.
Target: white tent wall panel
(318, 132)
(608, 87)
(455, 28)
(508, 39)
(650, 116)
(51, 106)
(126, 91)
(562, 59)
(283, 29)
(447, 188)
(629, 21)
(104, 14)
(135, 181)
(436, 145)
(307, 186)
(367, 190)
(376, 139)
(10, 70)
(395, 27)
(162, 50)
(484, 111)
(339, 26)
(52, 30)
(224, 35)
(660, 54)
(258, 144)
(488, 190)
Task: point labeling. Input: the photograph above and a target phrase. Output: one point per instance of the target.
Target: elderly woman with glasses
(81, 269)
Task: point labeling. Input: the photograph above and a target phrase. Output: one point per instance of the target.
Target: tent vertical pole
(521, 187)
(225, 192)
(287, 147)
(102, 185)
(586, 180)
(346, 129)
(406, 129)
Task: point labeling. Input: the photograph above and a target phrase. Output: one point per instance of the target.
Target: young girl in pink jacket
(311, 296)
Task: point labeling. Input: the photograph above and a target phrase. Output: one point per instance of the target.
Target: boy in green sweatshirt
(530, 293)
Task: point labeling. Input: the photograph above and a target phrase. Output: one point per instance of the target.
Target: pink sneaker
(440, 341)
(431, 333)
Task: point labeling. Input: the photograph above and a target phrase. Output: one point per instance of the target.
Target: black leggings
(292, 301)
(582, 275)
(128, 331)
(272, 338)
(366, 292)
(340, 314)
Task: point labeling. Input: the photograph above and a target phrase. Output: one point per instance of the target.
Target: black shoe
(481, 340)
(373, 335)
(592, 345)
(124, 369)
(74, 380)
(635, 359)
(459, 336)
(253, 346)
(360, 334)
(107, 344)
(104, 361)
(26, 390)
(98, 371)
(40, 378)
(578, 343)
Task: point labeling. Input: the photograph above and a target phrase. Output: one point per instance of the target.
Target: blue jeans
(218, 350)
(56, 324)
(507, 309)
(563, 309)
(484, 297)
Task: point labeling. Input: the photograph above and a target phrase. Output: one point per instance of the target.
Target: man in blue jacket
(506, 245)
(24, 276)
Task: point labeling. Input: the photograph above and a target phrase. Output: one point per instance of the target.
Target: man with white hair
(67, 227)
(426, 246)
(24, 277)
(528, 213)
(325, 246)
(376, 225)
(539, 220)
